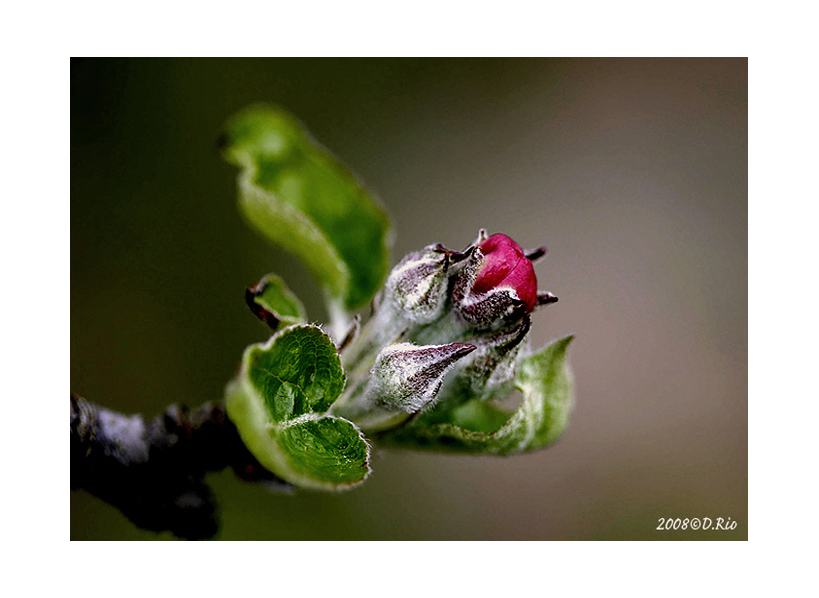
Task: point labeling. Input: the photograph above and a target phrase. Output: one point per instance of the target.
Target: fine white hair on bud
(447, 326)
(489, 371)
(404, 380)
(418, 284)
(407, 378)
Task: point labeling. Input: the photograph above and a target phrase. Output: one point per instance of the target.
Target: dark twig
(153, 471)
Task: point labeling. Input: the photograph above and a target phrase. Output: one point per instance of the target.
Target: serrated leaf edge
(292, 476)
(246, 406)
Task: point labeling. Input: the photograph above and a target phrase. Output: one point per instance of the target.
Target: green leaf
(273, 303)
(303, 199)
(545, 381)
(479, 416)
(278, 403)
(296, 372)
(328, 448)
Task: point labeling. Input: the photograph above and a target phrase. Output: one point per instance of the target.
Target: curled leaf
(273, 303)
(304, 200)
(279, 403)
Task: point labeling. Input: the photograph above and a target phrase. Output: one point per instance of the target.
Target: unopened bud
(506, 266)
(489, 372)
(497, 282)
(404, 380)
(418, 284)
(407, 378)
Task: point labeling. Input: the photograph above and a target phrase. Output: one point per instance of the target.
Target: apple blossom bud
(404, 380)
(489, 371)
(407, 377)
(506, 266)
(418, 284)
(496, 282)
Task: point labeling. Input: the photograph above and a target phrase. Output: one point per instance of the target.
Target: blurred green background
(634, 172)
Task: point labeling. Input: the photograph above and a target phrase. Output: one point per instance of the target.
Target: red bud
(506, 266)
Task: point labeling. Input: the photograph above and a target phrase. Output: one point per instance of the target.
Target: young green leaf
(329, 448)
(300, 197)
(545, 382)
(297, 372)
(273, 303)
(278, 403)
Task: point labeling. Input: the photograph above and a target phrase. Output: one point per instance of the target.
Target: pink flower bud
(506, 266)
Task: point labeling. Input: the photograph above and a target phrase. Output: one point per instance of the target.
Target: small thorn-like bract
(545, 298)
(352, 333)
(265, 315)
(533, 255)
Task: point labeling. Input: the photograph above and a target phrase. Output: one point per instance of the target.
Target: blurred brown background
(634, 172)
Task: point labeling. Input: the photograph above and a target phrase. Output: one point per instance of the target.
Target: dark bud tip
(459, 256)
(442, 356)
(453, 257)
(461, 350)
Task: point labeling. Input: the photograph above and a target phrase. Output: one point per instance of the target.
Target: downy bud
(418, 284)
(407, 378)
(489, 372)
(404, 380)
(415, 294)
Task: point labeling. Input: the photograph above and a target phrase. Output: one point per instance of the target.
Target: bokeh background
(634, 172)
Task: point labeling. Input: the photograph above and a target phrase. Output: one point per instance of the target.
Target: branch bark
(153, 471)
